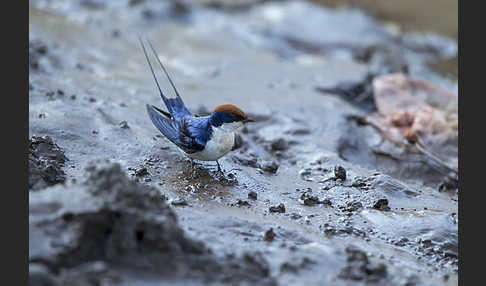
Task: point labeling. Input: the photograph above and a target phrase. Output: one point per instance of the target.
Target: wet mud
(315, 191)
(46, 162)
(113, 229)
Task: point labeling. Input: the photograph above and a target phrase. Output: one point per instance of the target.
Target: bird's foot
(219, 168)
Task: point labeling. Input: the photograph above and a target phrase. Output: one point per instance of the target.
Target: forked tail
(176, 106)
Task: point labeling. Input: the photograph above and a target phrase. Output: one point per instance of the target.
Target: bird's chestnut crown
(227, 113)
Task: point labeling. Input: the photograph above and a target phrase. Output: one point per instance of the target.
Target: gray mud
(305, 198)
(46, 161)
(109, 229)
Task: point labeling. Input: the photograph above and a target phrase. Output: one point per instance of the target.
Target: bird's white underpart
(221, 142)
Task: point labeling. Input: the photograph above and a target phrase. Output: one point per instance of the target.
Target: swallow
(204, 138)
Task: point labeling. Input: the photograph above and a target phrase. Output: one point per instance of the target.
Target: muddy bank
(114, 231)
(306, 198)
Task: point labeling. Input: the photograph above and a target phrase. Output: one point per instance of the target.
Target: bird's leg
(219, 167)
(192, 166)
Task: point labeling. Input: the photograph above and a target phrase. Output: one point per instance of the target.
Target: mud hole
(311, 193)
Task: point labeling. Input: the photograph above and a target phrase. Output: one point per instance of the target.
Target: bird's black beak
(248, 120)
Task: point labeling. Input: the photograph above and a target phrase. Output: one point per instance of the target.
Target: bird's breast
(220, 143)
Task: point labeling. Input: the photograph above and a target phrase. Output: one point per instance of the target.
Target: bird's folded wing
(178, 135)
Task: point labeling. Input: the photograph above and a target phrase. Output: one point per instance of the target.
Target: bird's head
(228, 117)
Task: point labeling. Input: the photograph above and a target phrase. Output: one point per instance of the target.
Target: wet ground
(320, 189)
(435, 16)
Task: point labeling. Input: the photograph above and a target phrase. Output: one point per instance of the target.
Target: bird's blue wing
(178, 133)
(176, 107)
(196, 130)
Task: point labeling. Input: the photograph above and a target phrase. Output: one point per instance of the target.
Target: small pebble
(340, 172)
(124, 125)
(279, 145)
(141, 172)
(277, 209)
(381, 204)
(242, 203)
(179, 202)
(269, 235)
(270, 167)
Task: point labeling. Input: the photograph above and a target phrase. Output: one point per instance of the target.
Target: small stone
(309, 200)
(270, 167)
(340, 172)
(450, 183)
(402, 242)
(269, 235)
(179, 202)
(277, 209)
(252, 195)
(242, 203)
(141, 172)
(305, 172)
(279, 145)
(381, 204)
(124, 125)
(353, 206)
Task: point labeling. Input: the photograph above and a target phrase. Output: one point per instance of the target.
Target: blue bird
(205, 138)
